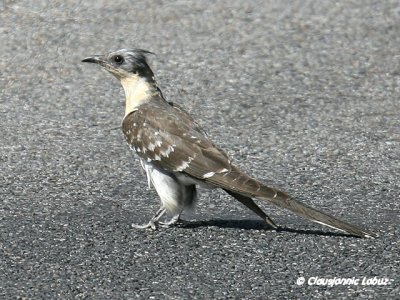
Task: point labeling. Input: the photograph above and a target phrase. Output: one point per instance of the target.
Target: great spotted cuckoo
(177, 155)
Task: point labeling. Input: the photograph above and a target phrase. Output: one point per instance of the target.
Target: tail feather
(253, 206)
(237, 183)
(282, 200)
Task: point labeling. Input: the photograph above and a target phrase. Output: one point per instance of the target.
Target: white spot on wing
(151, 146)
(209, 174)
(183, 165)
(167, 152)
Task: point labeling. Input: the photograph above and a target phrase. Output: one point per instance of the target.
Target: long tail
(245, 188)
(284, 201)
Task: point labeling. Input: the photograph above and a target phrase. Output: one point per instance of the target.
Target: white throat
(137, 91)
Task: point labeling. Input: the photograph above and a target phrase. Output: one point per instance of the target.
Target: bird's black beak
(93, 59)
(102, 61)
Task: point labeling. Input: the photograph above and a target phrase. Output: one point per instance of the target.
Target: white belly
(174, 194)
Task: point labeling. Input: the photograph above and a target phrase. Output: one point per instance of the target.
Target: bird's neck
(138, 90)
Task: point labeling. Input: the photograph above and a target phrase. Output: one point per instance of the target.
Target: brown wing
(168, 137)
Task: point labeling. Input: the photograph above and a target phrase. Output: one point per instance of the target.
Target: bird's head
(131, 68)
(124, 63)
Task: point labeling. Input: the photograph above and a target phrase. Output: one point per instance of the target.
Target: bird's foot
(175, 220)
(151, 225)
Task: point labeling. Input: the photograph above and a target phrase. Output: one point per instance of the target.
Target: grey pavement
(302, 94)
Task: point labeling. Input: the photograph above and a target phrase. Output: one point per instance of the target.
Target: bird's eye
(118, 59)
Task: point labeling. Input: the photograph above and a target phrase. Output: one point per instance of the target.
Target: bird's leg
(154, 220)
(174, 220)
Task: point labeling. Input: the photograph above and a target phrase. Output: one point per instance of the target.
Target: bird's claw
(154, 223)
(151, 225)
(175, 220)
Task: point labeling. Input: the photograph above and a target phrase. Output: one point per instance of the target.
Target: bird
(178, 156)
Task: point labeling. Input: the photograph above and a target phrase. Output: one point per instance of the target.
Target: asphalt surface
(302, 94)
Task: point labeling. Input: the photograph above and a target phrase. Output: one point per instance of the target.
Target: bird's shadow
(255, 225)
